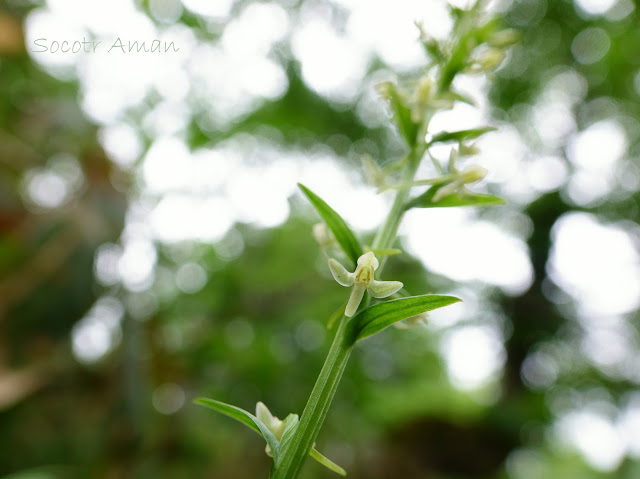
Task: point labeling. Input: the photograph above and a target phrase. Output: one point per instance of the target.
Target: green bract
(455, 198)
(344, 236)
(379, 316)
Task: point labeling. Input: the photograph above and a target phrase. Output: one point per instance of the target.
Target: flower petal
(340, 274)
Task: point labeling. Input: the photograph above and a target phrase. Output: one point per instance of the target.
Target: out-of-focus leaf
(380, 252)
(453, 95)
(425, 200)
(246, 418)
(460, 135)
(379, 316)
(344, 236)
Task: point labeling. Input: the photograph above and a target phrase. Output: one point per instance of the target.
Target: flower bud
(473, 173)
(491, 59)
(323, 235)
(504, 38)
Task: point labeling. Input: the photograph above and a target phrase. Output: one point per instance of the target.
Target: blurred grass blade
(460, 135)
(425, 200)
(326, 462)
(344, 236)
(377, 317)
(245, 418)
(380, 252)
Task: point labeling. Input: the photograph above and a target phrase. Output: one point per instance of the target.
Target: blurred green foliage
(256, 330)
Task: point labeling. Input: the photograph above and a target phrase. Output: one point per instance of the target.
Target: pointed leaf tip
(379, 316)
(326, 462)
(426, 200)
(246, 418)
(344, 236)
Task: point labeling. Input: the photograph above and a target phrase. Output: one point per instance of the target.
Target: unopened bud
(468, 150)
(491, 59)
(385, 89)
(504, 38)
(473, 173)
(323, 235)
(413, 321)
(422, 99)
(373, 174)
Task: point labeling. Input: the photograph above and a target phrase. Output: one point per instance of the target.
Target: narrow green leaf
(473, 199)
(245, 418)
(377, 317)
(380, 252)
(457, 96)
(460, 135)
(434, 49)
(344, 236)
(425, 200)
(326, 462)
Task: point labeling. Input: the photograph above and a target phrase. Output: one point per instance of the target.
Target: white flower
(412, 321)
(469, 175)
(275, 425)
(324, 236)
(362, 280)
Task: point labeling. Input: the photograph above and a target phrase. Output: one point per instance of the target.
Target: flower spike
(362, 279)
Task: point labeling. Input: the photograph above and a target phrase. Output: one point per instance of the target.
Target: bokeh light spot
(168, 398)
(191, 278)
(590, 45)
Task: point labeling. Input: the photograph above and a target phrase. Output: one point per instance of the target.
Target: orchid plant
(476, 45)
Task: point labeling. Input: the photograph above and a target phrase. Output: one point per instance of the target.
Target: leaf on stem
(460, 135)
(246, 418)
(468, 198)
(380, 252)
(291, 423)
(377, 317)
(344, 236)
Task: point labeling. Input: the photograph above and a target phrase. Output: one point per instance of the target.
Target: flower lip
(362, 279)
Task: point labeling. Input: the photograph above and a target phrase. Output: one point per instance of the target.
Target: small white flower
(275, 425)
(362, 280)
(324, 236)
(471, 174)
(412, 321)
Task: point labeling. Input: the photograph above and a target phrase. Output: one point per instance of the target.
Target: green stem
(387, 233)
(317, 407)
(295, 454)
